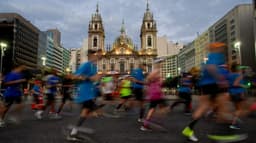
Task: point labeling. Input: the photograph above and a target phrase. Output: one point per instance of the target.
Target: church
(123, 56)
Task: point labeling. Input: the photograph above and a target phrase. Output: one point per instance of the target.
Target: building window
(122, 67)
(112, 67)
(104, 67)
(148, 25)
(95, 26)
(149, 41)
(95, 41)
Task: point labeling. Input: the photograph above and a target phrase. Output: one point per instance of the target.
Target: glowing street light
(179, 69)
(237, 46)
(3, 47)
(205, 60)
(68, 70)
(44, 60)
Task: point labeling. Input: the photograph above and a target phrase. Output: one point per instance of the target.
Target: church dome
(123, 39)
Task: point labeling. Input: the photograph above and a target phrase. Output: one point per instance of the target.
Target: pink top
(154, 90)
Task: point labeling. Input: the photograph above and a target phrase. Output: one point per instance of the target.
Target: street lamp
(68, 70)
(237, 46)
(3, 47)
(44, 60)
(205, 60)
(179, 69)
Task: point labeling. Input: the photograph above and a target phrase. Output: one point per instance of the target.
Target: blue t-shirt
(13, 90)
(216, 59)
(86, 88)
(138, 74)
(185, 83)
(36, 89)
(213, 59)
(52, 81)
(232, 89)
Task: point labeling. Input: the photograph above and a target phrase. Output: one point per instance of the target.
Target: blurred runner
(86, 74)
(13, 92)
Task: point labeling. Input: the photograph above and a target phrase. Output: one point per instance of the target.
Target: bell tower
(148, 34)
(96, 35)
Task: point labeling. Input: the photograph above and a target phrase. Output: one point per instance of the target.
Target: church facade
(123, 55)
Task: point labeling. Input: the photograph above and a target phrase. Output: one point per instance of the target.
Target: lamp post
(237, 46)
(44, 60)
(205, 60)
(3, 47)
(68, 70)
(179, 69)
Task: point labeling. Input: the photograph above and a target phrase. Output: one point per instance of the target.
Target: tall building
(168, 50)
(123, 56)
(236, 30)
(42, 47)
(166, 47)
(201, 42)
(169, 66)
(56, 36)
(49, 51)
(57, 56)
(74, 59)
(186, 58)
(65, 60)
(84, 50)
(21, 38)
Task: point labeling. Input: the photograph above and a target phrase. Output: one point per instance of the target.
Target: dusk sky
(180, 20)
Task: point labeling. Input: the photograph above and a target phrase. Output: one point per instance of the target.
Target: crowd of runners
(217, 85)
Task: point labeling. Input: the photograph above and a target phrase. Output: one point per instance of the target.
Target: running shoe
(235, 126)
(2, 123)
(189, 133)
(38, 114)
(145, 128)
(74, 138)
(140, 120)
(73, 132)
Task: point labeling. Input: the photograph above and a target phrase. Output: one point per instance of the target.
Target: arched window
(149, 41)
(122, 66)
(95, 26)
(95, 41)
(112, 67)
(148, 24)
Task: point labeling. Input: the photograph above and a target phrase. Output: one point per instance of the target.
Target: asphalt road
(115, 130)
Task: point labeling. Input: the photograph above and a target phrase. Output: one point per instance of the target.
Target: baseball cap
(216, 45)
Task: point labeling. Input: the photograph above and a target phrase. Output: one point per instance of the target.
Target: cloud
(180, 20)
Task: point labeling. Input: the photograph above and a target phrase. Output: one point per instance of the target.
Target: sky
(179, 20)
